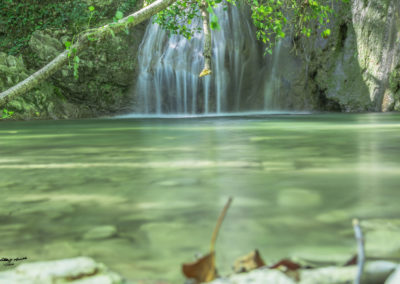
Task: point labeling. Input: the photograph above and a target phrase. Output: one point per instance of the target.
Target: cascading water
(272, 84)
(169, 68)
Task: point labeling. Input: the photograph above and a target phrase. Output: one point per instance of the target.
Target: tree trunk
(82, 42)
(207, 48)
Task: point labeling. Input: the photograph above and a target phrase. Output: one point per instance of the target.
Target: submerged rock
(74, 270)
(101, 232)
(382, 238)
(298, 198)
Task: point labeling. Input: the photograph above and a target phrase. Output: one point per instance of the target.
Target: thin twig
(360, 250)
(219, 223)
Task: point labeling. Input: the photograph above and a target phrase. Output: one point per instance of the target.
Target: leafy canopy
(272, 18)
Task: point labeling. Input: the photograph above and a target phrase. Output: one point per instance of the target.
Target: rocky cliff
(106, 72)
(356, 69)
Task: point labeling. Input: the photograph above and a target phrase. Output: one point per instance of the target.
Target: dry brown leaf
(352, 261)
(248, 262)
(202, 270)
(285, 264)
(290, 268)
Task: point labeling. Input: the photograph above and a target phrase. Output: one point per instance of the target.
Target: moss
(394, 80)
(19, 19)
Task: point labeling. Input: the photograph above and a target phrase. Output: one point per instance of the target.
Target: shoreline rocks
(82, 270)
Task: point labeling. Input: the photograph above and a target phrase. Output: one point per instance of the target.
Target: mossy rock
(394, 80)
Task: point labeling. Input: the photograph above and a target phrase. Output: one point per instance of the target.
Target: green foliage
(272, 18)
(72, 52)
(19, 19)
(6, 114)
(394, 80)
(91, 14)
(269, 19)
(118, 16)
(177, 18)
(76, 66)
(214, 19)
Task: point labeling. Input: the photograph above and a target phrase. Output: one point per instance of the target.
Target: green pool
(297, 181)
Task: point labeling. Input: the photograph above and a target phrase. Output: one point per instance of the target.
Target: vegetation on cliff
(269, 17)
(25, 26)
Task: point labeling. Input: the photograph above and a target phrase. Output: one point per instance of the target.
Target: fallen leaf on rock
(248, 262)
(285, 264)
(290, 268)
(203, 269)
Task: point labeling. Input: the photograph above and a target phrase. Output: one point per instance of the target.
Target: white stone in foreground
(375, 272)
(259, 276)
(79, 270)
(329, 275)
(394, 278)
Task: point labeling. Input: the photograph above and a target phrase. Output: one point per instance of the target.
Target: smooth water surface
(297, 181)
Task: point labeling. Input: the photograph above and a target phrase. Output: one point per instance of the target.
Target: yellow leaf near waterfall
(205, 72)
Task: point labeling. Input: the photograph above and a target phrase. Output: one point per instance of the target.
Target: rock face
(106, 73)
(377, 27)
(45, 101)
(356, 69)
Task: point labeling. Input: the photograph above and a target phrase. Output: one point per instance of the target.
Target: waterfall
(272, 84)
(169, 66)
